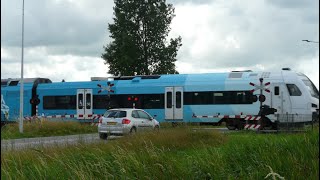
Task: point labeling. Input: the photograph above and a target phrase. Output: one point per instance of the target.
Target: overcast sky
(64, 39)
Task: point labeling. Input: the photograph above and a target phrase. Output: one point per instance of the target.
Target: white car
(123, 121)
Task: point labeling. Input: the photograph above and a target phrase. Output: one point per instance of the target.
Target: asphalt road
(20, 144)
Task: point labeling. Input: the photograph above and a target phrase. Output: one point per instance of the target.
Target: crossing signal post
(262, 87)
(108, 89)
(264, 109)
(262, 98)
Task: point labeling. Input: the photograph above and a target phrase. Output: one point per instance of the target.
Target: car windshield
(115, 114)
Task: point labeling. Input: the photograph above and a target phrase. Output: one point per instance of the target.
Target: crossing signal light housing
(254, 98)
(35, 101)
(262, 98)
(133, 98)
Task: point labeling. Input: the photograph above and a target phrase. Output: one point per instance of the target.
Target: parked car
(123, 121)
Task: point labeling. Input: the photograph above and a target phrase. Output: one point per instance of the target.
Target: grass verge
(45, 129)
(179, 153)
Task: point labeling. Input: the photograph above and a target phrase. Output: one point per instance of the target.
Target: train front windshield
(312, 88)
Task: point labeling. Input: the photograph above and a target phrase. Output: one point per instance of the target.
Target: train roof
(174, 79)
(16, 81)
(236, 75)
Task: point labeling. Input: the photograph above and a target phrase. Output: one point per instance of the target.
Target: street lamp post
(21, 80)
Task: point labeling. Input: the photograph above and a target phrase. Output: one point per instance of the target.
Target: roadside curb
(23, 143)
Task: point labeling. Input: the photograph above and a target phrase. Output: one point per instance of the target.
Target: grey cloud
(268, 33)
(53, 23)
(190, 1)
(94, 49)
(293, 3)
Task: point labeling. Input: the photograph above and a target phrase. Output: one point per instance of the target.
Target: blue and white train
(200, 98)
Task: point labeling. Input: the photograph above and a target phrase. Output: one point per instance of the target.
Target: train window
(59, 102)
(152, 101)
(276, 90)
(106, 102)
(197, 98)
(13, 83)
(240, 97)
(218, 94)
(100, 101)
(4, 83)
(178, 99)
(80, 101)
(169, 99)
(293, 90)
(312, 89)
(145, 101)
(218, 98)
(88, 101)
(221, 97)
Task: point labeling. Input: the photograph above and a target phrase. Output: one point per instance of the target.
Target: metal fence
(296, 121)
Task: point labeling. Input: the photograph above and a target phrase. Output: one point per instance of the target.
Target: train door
(84, 103)
(173, 103)
(280, 98)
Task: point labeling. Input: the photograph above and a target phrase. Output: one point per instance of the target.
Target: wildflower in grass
(273, 174)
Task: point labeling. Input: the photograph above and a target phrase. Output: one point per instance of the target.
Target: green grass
(173, 153)
(46, 128)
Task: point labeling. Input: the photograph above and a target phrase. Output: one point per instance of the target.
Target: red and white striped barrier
(60, 116)
(94, 117)
(29, 118)
(252, 118)
(255, 119)
(221, 116)
(252, 126)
